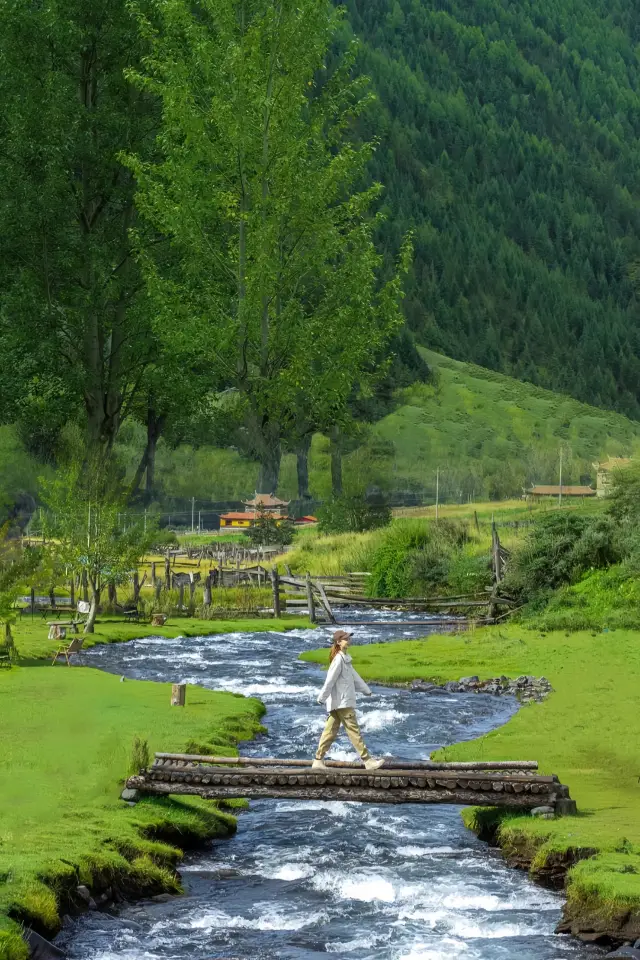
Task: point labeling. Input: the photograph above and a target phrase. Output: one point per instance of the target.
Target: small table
(65, 623)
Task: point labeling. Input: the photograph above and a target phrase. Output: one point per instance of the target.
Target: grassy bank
(31, 635)
(587, 732)
(65, 747)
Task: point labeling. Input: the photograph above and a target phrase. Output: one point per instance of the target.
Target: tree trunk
(85, 586)
(155, 424)
(336, 462)
(89, 626)
(302, 464)
(112, 595)
(270, 456)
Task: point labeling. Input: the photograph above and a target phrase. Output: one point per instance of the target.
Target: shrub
(139, 758)
(559, 549)
(267, 530)
(414, 557)
(354, 515)
(162, 539)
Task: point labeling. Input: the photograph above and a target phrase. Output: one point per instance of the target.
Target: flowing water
(311, 879)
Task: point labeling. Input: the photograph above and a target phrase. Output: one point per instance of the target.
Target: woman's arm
(360, 684)
(332, 676)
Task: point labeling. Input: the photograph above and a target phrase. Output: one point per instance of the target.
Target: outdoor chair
(67, 649)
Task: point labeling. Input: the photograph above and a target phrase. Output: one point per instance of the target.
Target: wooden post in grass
(158, 588)
(181, 596)
(153, 572)
(192, 590)
(72, 593)
(275, 584)
(32, 603)
(167, 572)
(206, 594)
(178, 694)
(311, 603)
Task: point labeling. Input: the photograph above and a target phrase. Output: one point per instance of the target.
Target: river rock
(626, 951)
(130, 795)
(85, 895)
(451, 686)
(39, 948)
(542, 811)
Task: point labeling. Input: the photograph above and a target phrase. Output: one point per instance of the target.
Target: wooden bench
(5, 657)
(67, 649)
(73, 624)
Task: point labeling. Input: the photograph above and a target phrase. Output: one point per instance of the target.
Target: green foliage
(82, 522)
(276, 260)
(559, 548)
(140, 756)
(353, 515)
(510, 140)
(602, 600)
(267, 529)
(163, 539)
(414, 557)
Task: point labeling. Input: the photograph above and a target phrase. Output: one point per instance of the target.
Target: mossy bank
(65, 748)
(587, 731)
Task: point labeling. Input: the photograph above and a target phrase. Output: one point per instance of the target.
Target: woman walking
(339, 693)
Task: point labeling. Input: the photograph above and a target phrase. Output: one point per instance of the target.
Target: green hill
(510, 142)
(488, 435)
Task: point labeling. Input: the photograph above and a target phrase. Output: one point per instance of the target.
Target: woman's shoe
(318, 765)
(373, 764)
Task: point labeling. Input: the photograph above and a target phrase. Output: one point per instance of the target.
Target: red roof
(307, 520)
(237, 516)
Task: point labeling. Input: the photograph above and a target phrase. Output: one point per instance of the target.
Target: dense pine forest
(509, 140)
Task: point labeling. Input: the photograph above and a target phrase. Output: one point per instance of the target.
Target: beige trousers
(347, 717)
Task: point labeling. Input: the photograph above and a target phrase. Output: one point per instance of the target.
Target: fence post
(33, 601)
(153, 572)
(207, 591)
(181, 596)
(167, 572)
(158, 588)
(311, 603)
(275, 583)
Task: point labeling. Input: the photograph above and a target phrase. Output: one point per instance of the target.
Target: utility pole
(89, 529)
(193, 510)
(560, 493)
(199, 521)
(145, 521)
(437, 490)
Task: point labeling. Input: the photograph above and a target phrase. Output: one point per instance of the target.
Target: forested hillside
(510, 140)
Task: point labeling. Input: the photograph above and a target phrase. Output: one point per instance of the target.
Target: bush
(602, 598)
(163, 539)
(560, 548)
(414, 557)
(140, 757)
(354, 515)
(268, 530)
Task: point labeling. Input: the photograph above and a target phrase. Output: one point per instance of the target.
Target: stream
(310, 879)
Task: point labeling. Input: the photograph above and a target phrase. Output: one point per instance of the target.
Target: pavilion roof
(266, 500)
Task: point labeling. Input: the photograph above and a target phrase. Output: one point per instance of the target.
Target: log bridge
(514, 784)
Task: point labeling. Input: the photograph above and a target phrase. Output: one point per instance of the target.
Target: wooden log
(275, 584)
(390, 764)
(167, 572)
(310, 599)
(329, 791)
(206, 594)
(325, 602)
(178, 694)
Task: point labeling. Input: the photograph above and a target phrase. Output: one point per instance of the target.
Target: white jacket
(339, 690)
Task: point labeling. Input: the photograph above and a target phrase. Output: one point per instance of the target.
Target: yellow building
(605, 473)
(262, 501)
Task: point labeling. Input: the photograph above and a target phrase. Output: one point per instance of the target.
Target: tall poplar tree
(71, 298)
(255, 183)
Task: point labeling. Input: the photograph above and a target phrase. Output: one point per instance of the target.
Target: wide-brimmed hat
(341, 635)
